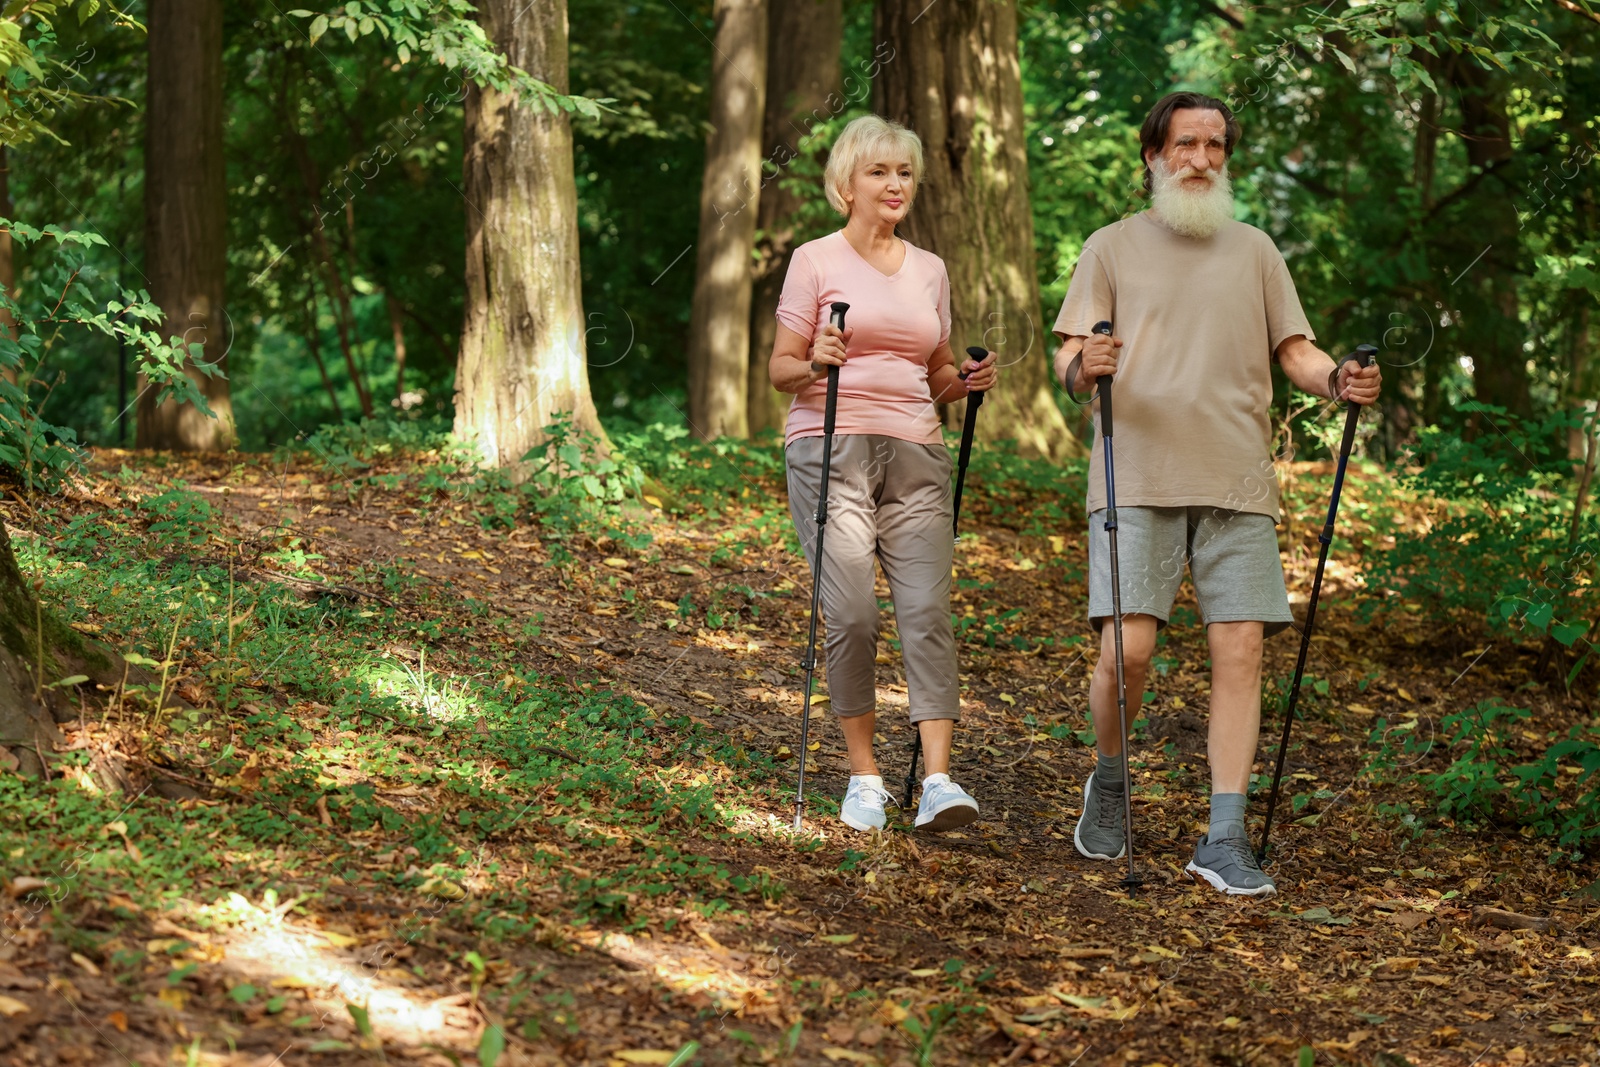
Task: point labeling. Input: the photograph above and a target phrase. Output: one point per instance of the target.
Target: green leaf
(319, 26)
(1349, 64)
(242, 993)
(682, 1057)
(76, 679)
(361, 1018)
(490, 1045)
(1568, 632)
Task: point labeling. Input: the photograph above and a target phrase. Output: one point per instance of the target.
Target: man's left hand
(1359, 384)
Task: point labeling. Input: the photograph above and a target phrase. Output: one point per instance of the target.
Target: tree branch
(1578, 9)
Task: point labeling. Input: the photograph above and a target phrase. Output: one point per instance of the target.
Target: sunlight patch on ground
(418, 689)
(284, 958)
(732, 982)
(770, 826)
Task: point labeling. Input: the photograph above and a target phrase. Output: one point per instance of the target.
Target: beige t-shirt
(1199, 321)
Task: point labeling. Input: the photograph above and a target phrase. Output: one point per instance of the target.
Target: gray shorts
(1233, 556)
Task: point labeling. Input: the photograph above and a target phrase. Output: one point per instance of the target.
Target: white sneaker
(862, 808)
(945, 805)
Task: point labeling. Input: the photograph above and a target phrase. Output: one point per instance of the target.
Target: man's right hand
(1099, 357)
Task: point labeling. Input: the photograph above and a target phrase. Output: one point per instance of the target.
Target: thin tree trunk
(523, 360)
(1591, 444)
(314, 343)
(719, 317)
(8, 269)
(801, 76)
(433, 334)
(338, 298)
(1484, 279)
(397, 324)
(186, 215)
(954, 78)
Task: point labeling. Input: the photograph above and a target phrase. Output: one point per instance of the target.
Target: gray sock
(1108, 773)
(1227, 816)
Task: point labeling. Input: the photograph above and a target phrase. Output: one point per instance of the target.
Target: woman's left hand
(980, 376)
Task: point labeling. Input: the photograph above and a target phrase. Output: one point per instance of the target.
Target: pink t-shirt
(897, 321)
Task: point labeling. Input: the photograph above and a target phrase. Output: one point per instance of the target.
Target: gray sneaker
(1100, 833)
(1230, 866)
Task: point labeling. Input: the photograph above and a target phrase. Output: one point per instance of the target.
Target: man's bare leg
(1235, 720)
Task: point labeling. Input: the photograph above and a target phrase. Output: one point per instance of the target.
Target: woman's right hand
(828, 348)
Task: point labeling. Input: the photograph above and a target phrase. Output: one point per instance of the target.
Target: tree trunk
(801, 76)
(719, 318)
(314, 343)
(1487, 246)
(36, 649)
(397, 325)
(956, 81)
(186, 216)
(523, 357)
(316, 234)
(8, 267)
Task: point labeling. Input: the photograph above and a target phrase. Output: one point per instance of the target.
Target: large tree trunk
(801, 74)
(36, 650)
(956, 81)
(186, 215)
(719, 318)
(523, 358)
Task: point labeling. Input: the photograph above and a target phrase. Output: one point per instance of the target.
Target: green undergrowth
(347, 741)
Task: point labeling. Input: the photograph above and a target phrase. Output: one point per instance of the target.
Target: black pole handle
(836, 319)
(1363, 357)
(1104, 327)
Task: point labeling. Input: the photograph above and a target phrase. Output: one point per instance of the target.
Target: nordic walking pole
(974, 402)
(1131, 881)
(810, 662)
(1363, 356)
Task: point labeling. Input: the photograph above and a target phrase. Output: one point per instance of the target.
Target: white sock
(936, 779)
(873, 780)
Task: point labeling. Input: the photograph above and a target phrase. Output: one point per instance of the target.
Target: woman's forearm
(792, 375)
(945, 385)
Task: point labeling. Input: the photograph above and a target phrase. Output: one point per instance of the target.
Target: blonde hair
(865, 138)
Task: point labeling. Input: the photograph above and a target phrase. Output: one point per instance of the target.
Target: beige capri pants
(887, 499)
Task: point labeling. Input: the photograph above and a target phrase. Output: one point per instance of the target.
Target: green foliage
(577, 486)
(446, 32)
(35, 85)
(1484, 778)
(1503, 543)
(39, 452)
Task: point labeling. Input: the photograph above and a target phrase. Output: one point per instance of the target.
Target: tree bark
(802, 75)
(186, 216)
(955, 79)
(719, 318)
(314, 343)
(1487, 245)
(36, 649)
(523, 356)
(8, 267)
(397, 325)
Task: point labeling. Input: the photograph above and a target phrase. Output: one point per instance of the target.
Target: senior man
(1202, 306)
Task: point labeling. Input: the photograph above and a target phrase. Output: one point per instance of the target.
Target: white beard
(1188, 212)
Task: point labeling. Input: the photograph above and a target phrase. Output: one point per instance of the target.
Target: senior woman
(889, 498)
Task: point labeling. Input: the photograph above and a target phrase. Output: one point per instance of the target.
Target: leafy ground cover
(404, 769)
